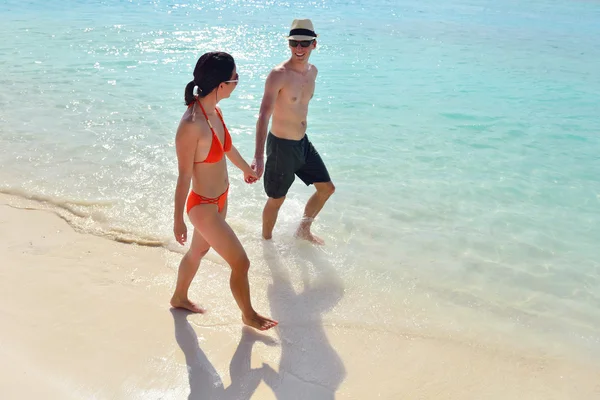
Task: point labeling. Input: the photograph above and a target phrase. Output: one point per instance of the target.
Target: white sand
(83, 317)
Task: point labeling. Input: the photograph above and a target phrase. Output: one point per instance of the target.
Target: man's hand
(258, 166)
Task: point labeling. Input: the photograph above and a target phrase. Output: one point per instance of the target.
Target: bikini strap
(221, 117)
(206, 116)
(227, 135)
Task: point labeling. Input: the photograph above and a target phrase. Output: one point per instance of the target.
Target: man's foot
(267, 236)
(306, 235)
(259, 322)
(186, 304)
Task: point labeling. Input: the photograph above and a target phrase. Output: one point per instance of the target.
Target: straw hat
(302, 29)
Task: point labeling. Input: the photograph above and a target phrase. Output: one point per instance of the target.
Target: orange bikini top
(217, 151)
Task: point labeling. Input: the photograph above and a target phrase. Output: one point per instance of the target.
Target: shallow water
(462, 138)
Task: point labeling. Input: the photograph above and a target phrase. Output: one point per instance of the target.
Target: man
(288, 90)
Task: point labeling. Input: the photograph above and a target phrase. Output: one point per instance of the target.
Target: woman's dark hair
(211, 70)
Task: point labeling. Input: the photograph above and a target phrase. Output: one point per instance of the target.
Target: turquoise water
(462, 137)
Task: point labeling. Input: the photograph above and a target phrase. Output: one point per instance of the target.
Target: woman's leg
(219, 235)
(188, 267)
(187, 270)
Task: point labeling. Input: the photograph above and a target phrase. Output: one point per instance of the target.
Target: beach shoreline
(87, 317)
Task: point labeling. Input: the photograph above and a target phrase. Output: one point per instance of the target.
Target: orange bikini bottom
(194, 199)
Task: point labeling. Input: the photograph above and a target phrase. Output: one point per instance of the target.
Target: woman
(202, 142)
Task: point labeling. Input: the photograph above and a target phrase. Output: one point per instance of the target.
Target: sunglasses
(303, 43)
(237, 78)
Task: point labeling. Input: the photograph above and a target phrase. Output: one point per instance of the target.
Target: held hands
(258, 166)
(250, 176)
(180, 231)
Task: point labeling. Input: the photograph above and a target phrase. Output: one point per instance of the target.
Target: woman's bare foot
(259, 322)
(186, 304)
(252, 335)
(306, 235)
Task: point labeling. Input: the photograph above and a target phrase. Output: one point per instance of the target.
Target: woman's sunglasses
(303, 43)
(237, 78)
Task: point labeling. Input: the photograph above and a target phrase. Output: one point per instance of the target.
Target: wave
(85, 216)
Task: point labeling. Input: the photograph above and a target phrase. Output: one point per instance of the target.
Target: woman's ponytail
(189, 93)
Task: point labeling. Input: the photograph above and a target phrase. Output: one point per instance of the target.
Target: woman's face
(229, 85)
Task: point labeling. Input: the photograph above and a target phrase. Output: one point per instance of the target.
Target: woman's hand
(180, 231)
(250, 176)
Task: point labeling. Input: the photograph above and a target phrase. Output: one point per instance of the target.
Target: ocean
(462, 137)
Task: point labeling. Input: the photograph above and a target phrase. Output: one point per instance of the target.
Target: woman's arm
(186, 142)
(236, 158)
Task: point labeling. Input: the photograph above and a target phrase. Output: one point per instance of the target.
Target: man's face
(301, 49)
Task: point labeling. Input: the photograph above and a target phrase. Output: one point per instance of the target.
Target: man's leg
(279, 176)
(269, 216)
(313, 206)
(314, 172)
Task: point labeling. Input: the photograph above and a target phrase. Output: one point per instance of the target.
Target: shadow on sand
(205, 381)
(309, 367)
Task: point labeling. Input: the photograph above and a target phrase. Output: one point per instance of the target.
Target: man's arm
(273, 85)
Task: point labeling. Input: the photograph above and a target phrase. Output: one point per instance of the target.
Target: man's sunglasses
(303, 43)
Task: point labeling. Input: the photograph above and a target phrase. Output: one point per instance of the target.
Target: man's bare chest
(299, 89)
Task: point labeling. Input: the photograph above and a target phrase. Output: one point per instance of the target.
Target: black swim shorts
(286, 158)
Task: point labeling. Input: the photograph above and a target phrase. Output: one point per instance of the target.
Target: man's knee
(275, 204)
(326, 189)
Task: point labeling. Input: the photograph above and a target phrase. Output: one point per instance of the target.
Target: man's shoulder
(278, 75)
(285, 69)
(278, 70)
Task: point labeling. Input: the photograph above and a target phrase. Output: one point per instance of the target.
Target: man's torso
(289, 119)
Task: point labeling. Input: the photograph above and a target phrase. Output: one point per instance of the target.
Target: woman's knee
(241, 264)
(195, 255)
